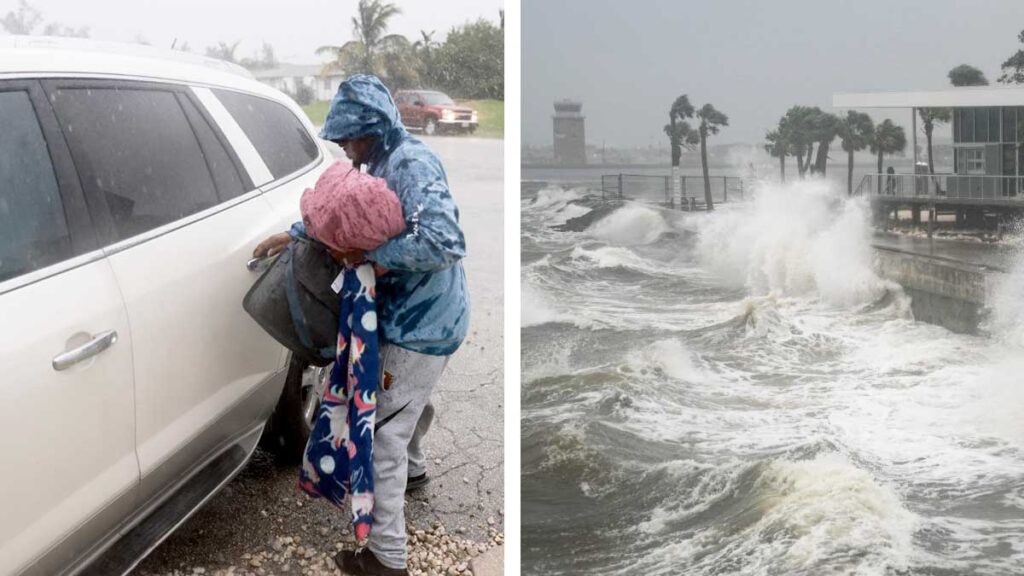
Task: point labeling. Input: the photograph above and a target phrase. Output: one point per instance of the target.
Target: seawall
(947, 292)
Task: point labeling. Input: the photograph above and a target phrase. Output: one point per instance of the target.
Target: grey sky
(752, 59)
(294, 27)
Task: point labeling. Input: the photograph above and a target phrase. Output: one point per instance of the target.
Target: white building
(286, 77)
(988, 152)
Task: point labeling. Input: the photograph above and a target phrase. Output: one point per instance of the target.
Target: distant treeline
(469, 64)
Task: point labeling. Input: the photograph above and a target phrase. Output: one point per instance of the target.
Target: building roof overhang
(949, 98)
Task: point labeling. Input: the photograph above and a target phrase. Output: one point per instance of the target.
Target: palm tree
(425, 44)
(24, 21)
(856, 131)
(677, 129)
(364, 55)
(776, 145)
(967, 75)
(824, 129)
(799, 134)
(424, 55)
(223, 51)
(929, 118)
(679, 134)
(710, 122)
(888, 139)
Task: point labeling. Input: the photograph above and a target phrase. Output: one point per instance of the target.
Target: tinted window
(438, 99)
(277, 134)
(136, 149)
(33, 230)
(225, 171)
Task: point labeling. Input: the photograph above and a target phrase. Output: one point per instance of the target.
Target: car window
(225, 172)
(33, 230)
(277, 134)
(438, 99)
(136, 150)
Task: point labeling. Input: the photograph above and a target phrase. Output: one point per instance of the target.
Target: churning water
(739, 393)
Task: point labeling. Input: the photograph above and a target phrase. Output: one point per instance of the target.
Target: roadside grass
(490, 113)
(317, 111)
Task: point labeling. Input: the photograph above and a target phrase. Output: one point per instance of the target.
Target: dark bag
(294, 302)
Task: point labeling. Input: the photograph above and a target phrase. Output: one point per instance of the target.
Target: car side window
(33, 229)
(225, 172)
(279, 137)
(135, 149)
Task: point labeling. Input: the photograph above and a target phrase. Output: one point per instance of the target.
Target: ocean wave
(630, 225)
(554, 197)
(535, 308)
(818, 516)
(795, 239)
(556, 205)
(670, 358)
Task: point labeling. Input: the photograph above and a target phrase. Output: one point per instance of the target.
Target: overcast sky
(752, 59)
(295, 27)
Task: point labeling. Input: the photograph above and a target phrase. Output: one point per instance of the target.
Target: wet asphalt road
(249, 523)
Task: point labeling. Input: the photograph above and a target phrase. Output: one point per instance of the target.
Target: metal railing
(658, 189)
(976, 189)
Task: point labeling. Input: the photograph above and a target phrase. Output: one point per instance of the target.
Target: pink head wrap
(350, 210)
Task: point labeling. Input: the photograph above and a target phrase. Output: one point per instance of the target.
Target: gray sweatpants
(404, 414)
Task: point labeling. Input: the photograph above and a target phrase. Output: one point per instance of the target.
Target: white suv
(134, 185)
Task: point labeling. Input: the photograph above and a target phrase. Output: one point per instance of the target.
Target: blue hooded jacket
(423, 303)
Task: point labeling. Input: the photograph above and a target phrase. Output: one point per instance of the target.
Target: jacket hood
(364, 107)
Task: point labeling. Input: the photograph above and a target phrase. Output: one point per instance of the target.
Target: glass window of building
(1009, 124)
(980, 125)
(971, 160)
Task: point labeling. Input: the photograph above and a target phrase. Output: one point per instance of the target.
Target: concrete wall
(943, 292)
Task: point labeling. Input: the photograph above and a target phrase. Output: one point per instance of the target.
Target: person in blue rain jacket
(423, 303)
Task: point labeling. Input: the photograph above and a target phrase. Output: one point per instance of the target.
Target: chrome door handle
(257, 264)
(98, 344)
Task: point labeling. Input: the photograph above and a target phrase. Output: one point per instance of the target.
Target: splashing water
(631, 225)
(739, 393)
(796, 240)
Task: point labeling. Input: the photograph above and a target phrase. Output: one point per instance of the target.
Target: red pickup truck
(434, 112)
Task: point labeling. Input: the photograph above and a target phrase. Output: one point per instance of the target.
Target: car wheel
(430, 128)
(296, 411)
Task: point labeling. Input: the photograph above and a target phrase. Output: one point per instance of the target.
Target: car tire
(292, 421)
(430, 128)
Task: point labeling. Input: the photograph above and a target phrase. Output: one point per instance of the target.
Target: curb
(490, 563)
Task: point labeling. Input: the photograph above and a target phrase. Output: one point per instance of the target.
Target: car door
(281, 138)
(402, 102)
(67, 413)
(180, 219)
(415, 108)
